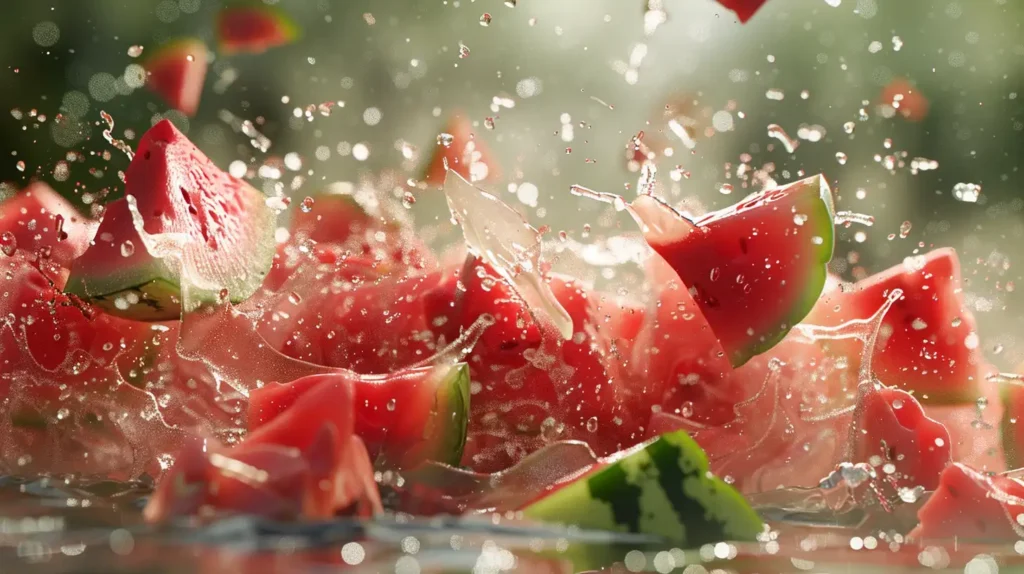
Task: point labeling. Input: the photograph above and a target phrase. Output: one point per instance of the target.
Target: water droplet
(982, 403)
(489, 123)
(841, 158)
(8, 243)
(63, 413)
(967, 192)
(408, 199)
(687, 409)
(463, 50)
(725, 189)
(485, 19)
(897, 404)
(776, 131)
(445, 139)
(307, 204)
(905, 229)
(848, 127)
(135, 51)
(715, 273)
(392, 403)
(956, 322)
(592, 424)
(20, 165)
(551, 430)
(510, 3)
(127, 248)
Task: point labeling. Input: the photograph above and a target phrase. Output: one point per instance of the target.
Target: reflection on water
(54, 525)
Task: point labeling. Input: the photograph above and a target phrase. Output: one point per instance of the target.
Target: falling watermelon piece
(176, 71)
(928, 343)
(458, 149)
(405, 418)
(663, 488)
(744, 9)
(906, 99)
(199, 232)
(755, 269)
(254, 29)
(45, 225)
(972, 506)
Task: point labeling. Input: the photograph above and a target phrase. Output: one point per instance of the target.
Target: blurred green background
(585, 76)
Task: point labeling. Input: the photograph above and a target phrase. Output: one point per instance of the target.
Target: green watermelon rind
(664, 489)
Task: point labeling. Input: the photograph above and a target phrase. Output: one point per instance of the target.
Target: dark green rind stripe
(613, 487)
(454, 407)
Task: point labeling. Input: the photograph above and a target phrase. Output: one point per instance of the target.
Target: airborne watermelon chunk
(755, 269)
(463, 152)
(202, 230)
(972, 506)
(928, 342)
(46, 226)
(176, 71)
(254, 28)
(404, 418)
(744, 9)
(662, 487)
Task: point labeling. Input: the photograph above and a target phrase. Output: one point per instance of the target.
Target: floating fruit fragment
(184, 226)
(662, 487)
(906, 99)
(405, 418)
(176, 71)
(755, 269)
(254, 28)
(928, 343)
(744, 9)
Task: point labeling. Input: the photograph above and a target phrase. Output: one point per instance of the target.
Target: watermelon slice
(196, 228)
(46, 226)
(928, 343)
(972, 506)
(459, 150)
(663, 488)
(304, 462)
(254, 28)
(755, 269)
(908, 100)
(405, 418)
(176, 72)
(744, 9)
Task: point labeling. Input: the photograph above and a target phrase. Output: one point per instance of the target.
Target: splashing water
(108, 135)
(776, 131)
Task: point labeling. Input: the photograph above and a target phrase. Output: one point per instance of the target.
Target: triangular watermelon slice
(755, 269)
(458, 147)
(254, 28)
(194, 227)
(744, 9)
(177, 71)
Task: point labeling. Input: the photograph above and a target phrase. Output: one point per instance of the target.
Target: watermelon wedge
(176, 72)
(663, 488)
(254, 28)
(744, 9)
(928, 343)
(194, 229)
(47, 226)
(972, 506)
(458, 149)
(405, 418)
(755, 269)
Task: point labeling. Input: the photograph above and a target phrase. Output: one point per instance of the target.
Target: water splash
(108, 135)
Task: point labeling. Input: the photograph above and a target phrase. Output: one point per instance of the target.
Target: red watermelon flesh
(176, 72)
(179, 193)
(972, 506)
(744, 9)
(755, 269)
(928, 343)
(974, 430)
(532, 387)
(405, 418)
(892, 429)
(460, 149)
(47, 226)
(302, 463)
(254, 29)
